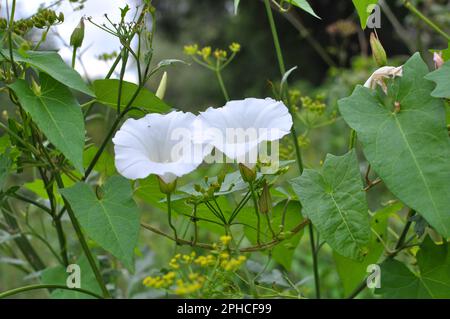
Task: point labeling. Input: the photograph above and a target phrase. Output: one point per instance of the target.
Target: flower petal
(240, 126)
(158, 144)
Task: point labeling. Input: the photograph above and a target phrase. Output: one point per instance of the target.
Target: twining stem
(261, 247)
(282, 67)
(425, 19)
(222, 85)
(169, 213)
(258, 218)
(84, 245)
(36, 287)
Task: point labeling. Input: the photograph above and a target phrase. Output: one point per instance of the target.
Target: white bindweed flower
(240, 126)
(378, 77)
(158, 144)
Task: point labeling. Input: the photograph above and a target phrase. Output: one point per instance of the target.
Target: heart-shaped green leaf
(334, 200)
(52, 64)
(432, 279)
(112, 220)
(405, 139)
(57, 113)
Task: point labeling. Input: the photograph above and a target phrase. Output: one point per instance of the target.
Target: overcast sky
(95, 42)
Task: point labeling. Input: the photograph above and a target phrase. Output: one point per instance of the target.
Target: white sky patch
(96, 41)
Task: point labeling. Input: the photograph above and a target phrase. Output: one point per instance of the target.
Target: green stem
(121, 76)
(21, 241)
(276, 41)
(425, 19)
(270, 225)
(82, 240)
(169, 213)
(10, 32)
(32, 202)
(35, 287)
(74, 56)
(222, 85)
(315, 264)
(258, 218)
(282, 67)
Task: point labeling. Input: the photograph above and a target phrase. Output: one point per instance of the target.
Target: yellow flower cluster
(205, 52)
(314, 105)
(220, 54)
(205, 261)
(188, 274)
(194, 284)
(235, 47)
(225, 240)
(187, 259)
(191, 49)
(163, 281)
(231, 264)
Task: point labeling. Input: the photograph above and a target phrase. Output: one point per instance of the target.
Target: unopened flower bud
(438, 60)
(378, 53)
(248, 174)
(166, 188)
(35, 87)
(161, 91)
(76, 39)
(265, 200)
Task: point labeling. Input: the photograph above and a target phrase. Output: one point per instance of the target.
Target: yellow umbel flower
(225, 239)
(205, 261)
(205, 53)
(235, 47)
(220, 54)
(191, 49)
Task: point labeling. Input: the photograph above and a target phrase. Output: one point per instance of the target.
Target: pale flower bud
(76, 39)
(161, 91)
(438, 60)
(378, 53)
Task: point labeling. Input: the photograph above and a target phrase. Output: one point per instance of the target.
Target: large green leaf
(442, 79)
(57, 113)
(305, 6)
(107, 92)
(334, 200)
(409, 149)
(432, 279)
(52, 64)
(352, 272)
(362, 7)
(113, 220)
(58, 276)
